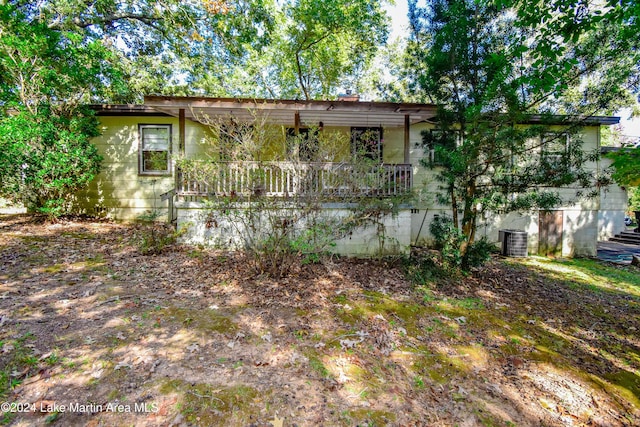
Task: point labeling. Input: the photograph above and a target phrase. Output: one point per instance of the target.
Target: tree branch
(150, 21)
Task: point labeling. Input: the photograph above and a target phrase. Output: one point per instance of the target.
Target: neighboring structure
(141, 142)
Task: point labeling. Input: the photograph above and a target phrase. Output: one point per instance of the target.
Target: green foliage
(289, 49)
(478, 253)
(613, 136)
(311, 49)
(45, 149)
(327, 42)
(634, 198)
(422, 270)
(587, 44)
(386, 78)
(16, 362)
(46, 157)
(40, 66)
(450, 240)
(626, 165)
(310, 244)
(156, 49)
(260, 48)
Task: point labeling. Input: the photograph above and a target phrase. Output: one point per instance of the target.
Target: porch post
(296, 123)
(181, 131)
(406, 138)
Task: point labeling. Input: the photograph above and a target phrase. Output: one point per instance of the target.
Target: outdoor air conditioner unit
(513, 243)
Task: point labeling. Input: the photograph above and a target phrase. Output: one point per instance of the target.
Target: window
(306, 143)
(235, 140)
(155, 149)
(439, 142)
(366, 142)
(555, 147)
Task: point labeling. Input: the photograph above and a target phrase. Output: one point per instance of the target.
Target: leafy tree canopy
(491, 65)
(294, 49)
(313, 49)
(39, 65)
(45, 75)
(626, 165)
(155, 44)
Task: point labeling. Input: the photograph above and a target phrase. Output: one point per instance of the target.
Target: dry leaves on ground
(194, 337)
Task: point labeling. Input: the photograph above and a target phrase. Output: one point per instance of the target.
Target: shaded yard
(192, 337)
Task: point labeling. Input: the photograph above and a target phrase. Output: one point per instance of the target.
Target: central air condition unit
(513, 243)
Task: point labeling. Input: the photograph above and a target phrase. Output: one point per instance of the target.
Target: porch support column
(181, 131)
(296, 123)
(406, 138)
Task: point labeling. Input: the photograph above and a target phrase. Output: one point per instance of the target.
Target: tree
(626, 166)
(261, 48)
(489, 71)
(312, 49)
(45, 157)
(590, 48)
(387, 78)
(56, 56)
(610, 29)
(160, 46)
(329, 41)
(634, 199)
(45, 75)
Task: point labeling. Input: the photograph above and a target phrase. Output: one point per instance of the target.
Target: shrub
(277, 232)
(156, 235)
(46, 158)
(449, 240)
(478, 253)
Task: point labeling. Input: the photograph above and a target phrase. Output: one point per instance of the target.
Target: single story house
(140, 145)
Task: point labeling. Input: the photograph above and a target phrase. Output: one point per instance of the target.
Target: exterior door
(550, 234)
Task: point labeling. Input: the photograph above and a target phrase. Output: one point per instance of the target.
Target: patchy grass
(366, 417)
(206, 405)
(592, 274)
(17, 360)
(203, 321)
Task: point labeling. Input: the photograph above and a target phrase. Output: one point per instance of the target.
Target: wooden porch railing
(289, 179)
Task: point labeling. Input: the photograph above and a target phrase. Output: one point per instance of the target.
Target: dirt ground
(94, 333)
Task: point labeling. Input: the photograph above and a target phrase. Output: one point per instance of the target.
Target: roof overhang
(279, 111)
(125, 110)
(572, 120)
(310, 113)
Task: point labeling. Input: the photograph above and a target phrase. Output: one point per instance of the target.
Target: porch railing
(290, 179)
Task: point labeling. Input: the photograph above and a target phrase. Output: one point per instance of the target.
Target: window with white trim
(555, 147)
(155, 149)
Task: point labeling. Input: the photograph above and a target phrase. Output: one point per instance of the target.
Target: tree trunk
(454, 208)
(469, 217)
